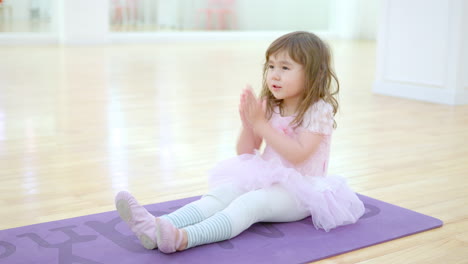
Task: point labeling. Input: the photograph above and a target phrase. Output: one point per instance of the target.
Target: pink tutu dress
(329, 199)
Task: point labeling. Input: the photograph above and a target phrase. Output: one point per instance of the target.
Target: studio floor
(78, 124)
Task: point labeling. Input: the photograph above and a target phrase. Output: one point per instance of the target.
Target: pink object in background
(124, 11)
(219, 14)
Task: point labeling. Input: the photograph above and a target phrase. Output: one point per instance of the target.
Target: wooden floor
(78, 124)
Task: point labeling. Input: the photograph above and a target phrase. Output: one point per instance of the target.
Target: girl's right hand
(242, 107)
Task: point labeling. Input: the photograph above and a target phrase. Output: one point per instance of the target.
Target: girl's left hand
(255, 109)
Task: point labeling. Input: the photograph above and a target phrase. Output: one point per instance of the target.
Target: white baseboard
(199, 36)
(146, 37)
(462, 98)
(28, 38)
(421, 92)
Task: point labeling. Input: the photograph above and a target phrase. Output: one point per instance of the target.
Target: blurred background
(349, 19)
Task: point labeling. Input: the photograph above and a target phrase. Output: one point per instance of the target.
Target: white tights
(272, 204)
(226, 211)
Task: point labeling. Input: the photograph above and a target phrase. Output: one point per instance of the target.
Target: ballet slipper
(168, 237)
(140, 221)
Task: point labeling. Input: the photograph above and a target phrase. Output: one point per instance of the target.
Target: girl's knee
(253, 202)
(246, 210)
(224, 194)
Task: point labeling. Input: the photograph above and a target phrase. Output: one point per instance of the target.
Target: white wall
(251, 15)
(77, 28)
(464, 68)
(368, 14)
(21, 8)
(341, 18)
(335, 18)
(422, 50)
(284, 15)
(416, 50)
(354, 19)
(168, 13)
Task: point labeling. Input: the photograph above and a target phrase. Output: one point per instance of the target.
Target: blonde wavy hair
(314, 55)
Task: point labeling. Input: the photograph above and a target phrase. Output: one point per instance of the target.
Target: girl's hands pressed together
(242, 107)
(249, 140)
(253, 109)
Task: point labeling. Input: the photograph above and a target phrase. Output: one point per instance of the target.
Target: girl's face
(285, 77)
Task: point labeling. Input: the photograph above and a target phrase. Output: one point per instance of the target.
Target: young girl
(294, 116)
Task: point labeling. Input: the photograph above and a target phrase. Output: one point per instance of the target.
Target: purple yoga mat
(104, 238)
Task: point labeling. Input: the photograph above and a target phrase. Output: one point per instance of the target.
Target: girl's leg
(143, 224)
(214, 201)
(273, 204)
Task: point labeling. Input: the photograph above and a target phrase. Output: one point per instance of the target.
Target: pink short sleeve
(319, 118)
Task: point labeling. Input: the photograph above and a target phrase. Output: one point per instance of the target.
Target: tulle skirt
(328, 198)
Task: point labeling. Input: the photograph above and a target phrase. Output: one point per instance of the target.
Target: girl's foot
(169, 238)
(140, 221)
